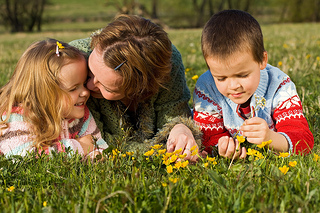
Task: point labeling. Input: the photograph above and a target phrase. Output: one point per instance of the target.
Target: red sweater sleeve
(212, 128)
(290, 120)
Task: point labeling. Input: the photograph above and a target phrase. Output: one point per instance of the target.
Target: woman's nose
(91, 83)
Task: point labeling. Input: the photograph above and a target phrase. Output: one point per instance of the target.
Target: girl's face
(103, 81)
(74, 77)
(238, 77)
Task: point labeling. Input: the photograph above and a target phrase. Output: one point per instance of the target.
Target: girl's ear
(265, 60)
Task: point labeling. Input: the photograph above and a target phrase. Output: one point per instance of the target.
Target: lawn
(132, 182)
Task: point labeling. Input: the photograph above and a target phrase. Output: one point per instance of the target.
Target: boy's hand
(256, 130)
(227, 148)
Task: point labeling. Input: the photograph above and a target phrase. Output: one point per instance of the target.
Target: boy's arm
(289, 119)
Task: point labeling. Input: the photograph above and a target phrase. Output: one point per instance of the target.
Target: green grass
(69, 184)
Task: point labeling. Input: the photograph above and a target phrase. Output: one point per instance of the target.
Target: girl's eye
(243, 76)
(73, 89)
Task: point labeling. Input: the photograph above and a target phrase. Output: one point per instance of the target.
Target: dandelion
(177, 151)
(173, 180)
(318, 58)
(285, 46)
(115, 152)
(164, 184)
(193, 148)
(129, 153)
(184, 164)
(157, 146)
(169, 169)
(169, 154)
(315, 157)
(308, 56)
(280, 63)
(263, 144)
(166, 162)
(183, 156)
(147, 158)
(206, 165)
(292, 163)
(195, 77)
(284, 169)
(149, 153)
(123, 155)
(251, 151)
(162, 151)
(173, 158)
(177, 165)
(44, 203)
(259, 155)
(210, 159)
(194, 152)
(283, 154)
(241, 139)
(11, 188)
(187, 69)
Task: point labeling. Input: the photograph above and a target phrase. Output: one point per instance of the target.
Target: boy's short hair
(231, 31)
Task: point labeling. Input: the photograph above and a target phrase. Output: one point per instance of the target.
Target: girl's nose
(234, 84)
(85, 92)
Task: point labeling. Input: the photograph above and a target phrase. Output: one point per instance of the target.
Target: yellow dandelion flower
(194, 152)
(259, 155)
(251, 151)
(173, 158)
(318, 58)
(169, 154)
(133, 158)
(188, 69)
(183, 156)
(285, 46)
(206, 165)
(214, 162)
(184, 164)
(195, 77)
(264, 143)
(164, 184)
(315, 157)
(193, 148)
(115, 152)
(157, 146)
(149, 153)
(169, 169)
(280, 63)
(241, 139)
(177, 151)
(284, 169)
(11, 188)
(177, 165)
(292, 163)
(164, 157)
(166, 162)
(283, 154)
(308, 56)
(44, 203)
(173, 180)
(162, 151)
(129, 153)
(123, 155)
(211, 159)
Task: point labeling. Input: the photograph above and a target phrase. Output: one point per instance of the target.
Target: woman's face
(103, 81)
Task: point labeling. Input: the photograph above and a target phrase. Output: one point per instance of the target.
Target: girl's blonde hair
(35, 87)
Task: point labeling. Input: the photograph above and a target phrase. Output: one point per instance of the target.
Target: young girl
(43, 105)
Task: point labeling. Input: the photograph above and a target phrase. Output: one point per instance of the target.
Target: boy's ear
(265, 60)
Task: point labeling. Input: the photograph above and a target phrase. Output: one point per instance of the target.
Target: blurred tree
(22, 15)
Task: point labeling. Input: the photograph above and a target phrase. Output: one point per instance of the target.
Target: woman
(138, 86)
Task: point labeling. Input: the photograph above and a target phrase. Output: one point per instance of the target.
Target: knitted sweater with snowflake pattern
(18, 140)
(218, 116)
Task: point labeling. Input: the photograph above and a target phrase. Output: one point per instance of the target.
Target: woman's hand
(182, 138)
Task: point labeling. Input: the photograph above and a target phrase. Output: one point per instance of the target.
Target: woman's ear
(264, 61)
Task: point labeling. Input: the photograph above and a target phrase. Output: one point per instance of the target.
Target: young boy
(241, 94)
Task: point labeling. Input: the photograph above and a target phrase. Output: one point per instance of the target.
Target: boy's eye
(221, 79)
(243, 76)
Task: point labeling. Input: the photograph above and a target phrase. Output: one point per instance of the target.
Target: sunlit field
(154, 181)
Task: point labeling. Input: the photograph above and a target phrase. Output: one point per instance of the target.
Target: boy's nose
(234, 84)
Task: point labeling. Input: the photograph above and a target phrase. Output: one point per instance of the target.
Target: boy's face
(237, 77)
